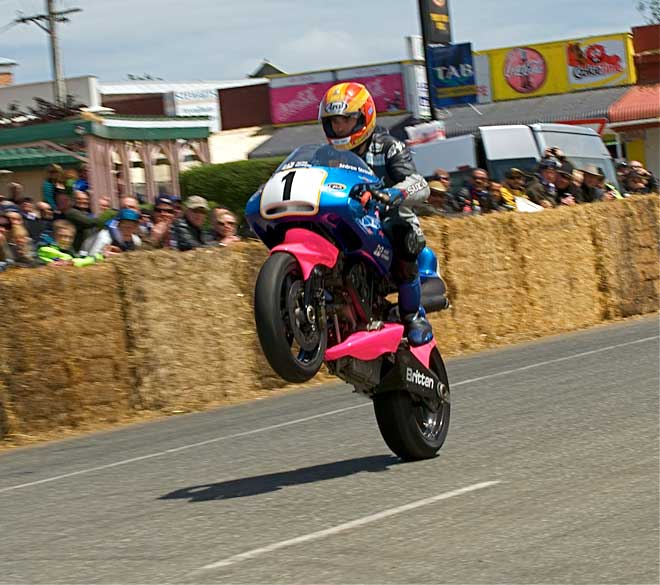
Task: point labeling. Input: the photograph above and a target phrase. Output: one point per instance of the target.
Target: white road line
(308, 418)
(250, 554)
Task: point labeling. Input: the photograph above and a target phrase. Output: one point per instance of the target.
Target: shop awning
(15, 158)
(641, 104)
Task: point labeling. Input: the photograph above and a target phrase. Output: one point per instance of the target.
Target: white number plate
(293, 192)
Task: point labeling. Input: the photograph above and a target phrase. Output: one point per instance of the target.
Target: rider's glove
(389, 196)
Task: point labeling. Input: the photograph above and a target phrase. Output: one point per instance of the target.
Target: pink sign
(300, 103)
(525, 69)
(387, 91)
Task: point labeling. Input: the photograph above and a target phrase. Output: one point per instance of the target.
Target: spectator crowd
(555, 183)
(62, 230)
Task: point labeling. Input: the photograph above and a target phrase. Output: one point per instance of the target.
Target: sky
(188, 40)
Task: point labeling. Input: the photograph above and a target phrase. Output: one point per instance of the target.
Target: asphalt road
(549, 475)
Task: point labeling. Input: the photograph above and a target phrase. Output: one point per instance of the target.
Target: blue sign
(451, 74)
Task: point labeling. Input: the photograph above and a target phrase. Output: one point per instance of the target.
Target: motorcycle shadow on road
(261, 484)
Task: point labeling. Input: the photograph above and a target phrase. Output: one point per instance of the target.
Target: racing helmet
(348, 99)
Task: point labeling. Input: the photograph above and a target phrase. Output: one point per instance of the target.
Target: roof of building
(266, 68)
(156, 87)
(581, 105)
(641, 102)
(71, 130)
(7, 62)
(15, 158)
(284, 140)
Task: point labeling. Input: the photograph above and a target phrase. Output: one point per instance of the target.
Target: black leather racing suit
(392, 161)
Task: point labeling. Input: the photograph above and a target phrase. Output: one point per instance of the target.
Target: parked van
(499, 148)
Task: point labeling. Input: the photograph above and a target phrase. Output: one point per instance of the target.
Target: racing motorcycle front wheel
(411, 429)
(292, 334)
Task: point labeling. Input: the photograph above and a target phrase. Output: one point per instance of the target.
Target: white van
(499, 148)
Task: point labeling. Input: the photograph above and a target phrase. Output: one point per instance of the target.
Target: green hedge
(228, 184)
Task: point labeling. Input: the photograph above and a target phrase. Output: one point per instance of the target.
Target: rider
(348, 116)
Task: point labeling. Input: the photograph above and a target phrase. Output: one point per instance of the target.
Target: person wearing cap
(514, 186)
(567, 192)
(437, 203)
(116, 238)
(189, 229)
(161, 235)
(591, 190)
(541, 189)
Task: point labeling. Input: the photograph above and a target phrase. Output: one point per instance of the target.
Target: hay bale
(190, 328)
(66, 324)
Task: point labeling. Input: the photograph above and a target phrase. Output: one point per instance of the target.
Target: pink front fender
(309, 249)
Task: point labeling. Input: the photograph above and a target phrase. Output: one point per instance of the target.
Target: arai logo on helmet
(417, 377)
(336, 108)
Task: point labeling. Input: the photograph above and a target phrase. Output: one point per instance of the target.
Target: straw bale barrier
(163, 330)
(63, 349)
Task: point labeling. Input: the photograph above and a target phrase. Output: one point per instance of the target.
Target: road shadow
(261, 484)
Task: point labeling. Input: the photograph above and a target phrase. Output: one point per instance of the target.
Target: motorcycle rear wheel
(411, 429)
(293, 346)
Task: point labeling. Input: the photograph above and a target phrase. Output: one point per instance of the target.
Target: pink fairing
(368, 345)
(423, 352)
(309, 249)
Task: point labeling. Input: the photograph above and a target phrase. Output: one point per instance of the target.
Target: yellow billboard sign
(561, 66)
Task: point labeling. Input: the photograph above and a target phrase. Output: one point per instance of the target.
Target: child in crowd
(60, 252)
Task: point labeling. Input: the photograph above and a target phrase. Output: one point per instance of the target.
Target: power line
(48, 23)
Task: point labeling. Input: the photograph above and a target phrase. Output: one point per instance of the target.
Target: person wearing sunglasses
(164, 214)
(224, 226)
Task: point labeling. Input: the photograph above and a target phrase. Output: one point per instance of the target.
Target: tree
(650, 9)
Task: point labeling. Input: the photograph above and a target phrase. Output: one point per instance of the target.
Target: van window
(497, 168)
(606, 165)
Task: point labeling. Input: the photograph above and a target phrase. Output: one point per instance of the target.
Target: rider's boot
(413, 317)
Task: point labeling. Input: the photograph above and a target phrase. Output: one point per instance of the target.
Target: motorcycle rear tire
(275, 279)
(401, 419)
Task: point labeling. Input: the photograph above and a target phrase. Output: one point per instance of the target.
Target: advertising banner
(451, 74)
(384, 82)
(561, 66)
(197, 102)
(482, 73)
(435, 21)
(596, 62)
(296, 98)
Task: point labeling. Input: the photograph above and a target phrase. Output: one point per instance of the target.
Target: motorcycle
(322, 295)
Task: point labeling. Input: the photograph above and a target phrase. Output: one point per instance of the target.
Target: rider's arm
(401, 169)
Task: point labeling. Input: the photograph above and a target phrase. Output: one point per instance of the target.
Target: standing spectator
(474, 196)
(83, 223)
(6, 256)
(438, 202)
(591, 190)
(637, 184)
(59, 252)
(81, 202)
(161, 235)
(622, 170)
(81, 183)
(116, 239)
(567, 193)
(541, 189)
(224, 227)
(104, 205)
(514, 186)
(44, 234)
(15, 192)
(188, 230)
(651, 181)
(53, 183)
(496, 198)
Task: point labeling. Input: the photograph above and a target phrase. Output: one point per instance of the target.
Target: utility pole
(48, 23)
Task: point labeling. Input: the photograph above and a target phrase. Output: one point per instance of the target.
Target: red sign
(525, 69)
